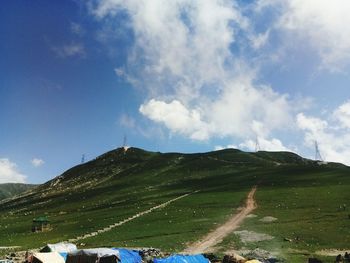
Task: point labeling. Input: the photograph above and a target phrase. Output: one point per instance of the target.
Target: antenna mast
(318, 156)
(83, 158)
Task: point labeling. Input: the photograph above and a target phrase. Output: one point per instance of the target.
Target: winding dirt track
(217, 235)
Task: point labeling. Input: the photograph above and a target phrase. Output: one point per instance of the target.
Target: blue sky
(188, 76)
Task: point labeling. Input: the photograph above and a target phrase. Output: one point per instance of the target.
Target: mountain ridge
(119, 184)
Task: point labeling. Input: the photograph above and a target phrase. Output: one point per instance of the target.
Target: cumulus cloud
(196, 86)
(332, 135)
(321, 24)
(260, 144)
(9, 172)
(342, 114)
(70, 50)
(177, 118)
(36, 162)
(265, 144)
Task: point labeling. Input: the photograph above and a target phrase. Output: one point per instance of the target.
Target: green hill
(308, 201)
(12, 189)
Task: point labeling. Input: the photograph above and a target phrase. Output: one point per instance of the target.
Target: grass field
(306, 198)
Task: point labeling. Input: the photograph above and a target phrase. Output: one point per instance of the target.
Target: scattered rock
(148, 254)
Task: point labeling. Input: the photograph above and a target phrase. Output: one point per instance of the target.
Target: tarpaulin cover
(59, 247)
(182, 259)
(128, 255)
(48, 257)
(102, 255)
(64, 255)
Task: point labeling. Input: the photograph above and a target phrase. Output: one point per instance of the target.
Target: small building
(41, 224)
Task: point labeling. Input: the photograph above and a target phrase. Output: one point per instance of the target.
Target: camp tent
(59, 247)
(182, 259)
(62, 248)
(49, 257)
(95, 255)
(128, 255)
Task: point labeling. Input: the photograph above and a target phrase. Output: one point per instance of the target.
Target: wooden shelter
(41, 224)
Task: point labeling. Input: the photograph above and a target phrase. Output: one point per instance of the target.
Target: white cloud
(36, 162)
(342, 114)
(321, 23)
(70, 50)
(196, 86)
(259, 40)
(240, 111)
(9, 172)
(264, 145)
(332, 135)
(177, 118)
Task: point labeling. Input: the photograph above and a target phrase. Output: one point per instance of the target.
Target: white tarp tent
(95, 255)
(62, 247)
(48, 257)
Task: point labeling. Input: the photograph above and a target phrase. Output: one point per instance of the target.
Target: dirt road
(217, 235)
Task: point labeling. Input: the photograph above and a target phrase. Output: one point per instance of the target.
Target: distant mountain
(11, 189)
(104, 202)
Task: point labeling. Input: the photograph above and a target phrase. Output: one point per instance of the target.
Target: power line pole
(83, 158)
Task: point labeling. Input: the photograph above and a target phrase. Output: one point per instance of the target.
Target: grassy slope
(12, 189)
(303, 196)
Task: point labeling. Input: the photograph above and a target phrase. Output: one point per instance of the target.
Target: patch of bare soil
(250, 236)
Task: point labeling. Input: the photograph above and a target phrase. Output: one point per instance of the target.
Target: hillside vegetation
(12, 189)
(307, 200)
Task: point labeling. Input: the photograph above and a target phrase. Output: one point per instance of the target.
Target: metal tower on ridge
(83, 158)
(318, 156)
(257, 145)
(125, 141)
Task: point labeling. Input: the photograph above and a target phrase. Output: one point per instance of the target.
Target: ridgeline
(301, 204)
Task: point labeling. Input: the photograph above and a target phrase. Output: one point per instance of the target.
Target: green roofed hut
(41, 224)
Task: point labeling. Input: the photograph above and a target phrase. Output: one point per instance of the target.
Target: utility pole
(83, 158)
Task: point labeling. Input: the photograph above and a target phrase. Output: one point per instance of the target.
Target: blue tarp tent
(182, 259)
(128, 255)
(64, 255)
